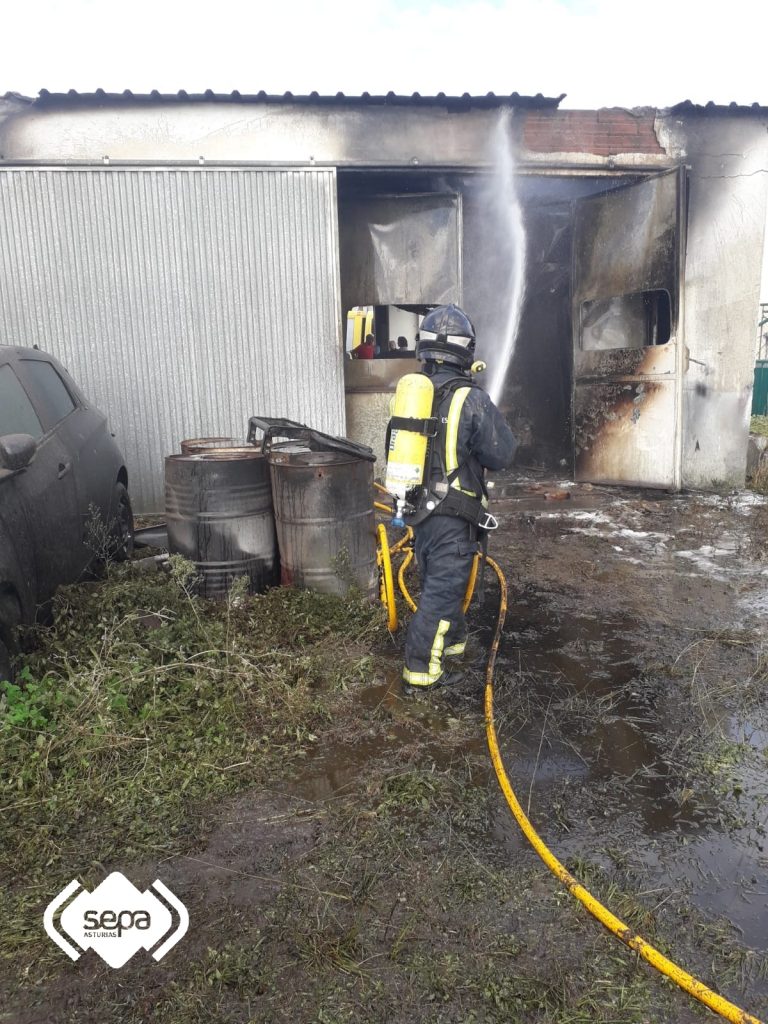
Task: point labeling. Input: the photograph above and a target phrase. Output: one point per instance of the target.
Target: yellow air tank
(408, 448)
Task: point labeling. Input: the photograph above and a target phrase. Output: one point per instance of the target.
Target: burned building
(193, 259)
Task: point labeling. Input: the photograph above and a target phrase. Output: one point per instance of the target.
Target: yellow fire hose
(622, 931)
(387, 583)
(604, 916)
(384, 555)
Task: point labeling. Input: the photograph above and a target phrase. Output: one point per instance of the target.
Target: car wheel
(122, 526)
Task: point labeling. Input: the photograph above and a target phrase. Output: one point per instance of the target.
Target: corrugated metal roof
(710, 107)
(463, 102)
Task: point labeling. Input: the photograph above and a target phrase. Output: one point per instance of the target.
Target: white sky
(599, 52)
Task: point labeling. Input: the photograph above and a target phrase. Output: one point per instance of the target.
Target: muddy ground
(376, 874)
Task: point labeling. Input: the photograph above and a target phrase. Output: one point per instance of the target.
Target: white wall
(727, 156)
(402, 322)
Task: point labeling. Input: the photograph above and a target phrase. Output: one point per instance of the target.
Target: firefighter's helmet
(446, 333)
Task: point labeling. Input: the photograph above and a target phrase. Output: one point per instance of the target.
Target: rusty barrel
(201, 445)
(325, 522)
(219, 511)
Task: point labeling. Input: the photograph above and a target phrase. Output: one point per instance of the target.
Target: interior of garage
(409, 260)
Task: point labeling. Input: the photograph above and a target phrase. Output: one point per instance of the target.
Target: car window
(16, 413)
(50, 392)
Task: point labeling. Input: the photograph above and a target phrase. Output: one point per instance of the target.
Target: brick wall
(602, 132)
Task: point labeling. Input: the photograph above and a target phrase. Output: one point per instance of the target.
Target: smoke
(505, 244)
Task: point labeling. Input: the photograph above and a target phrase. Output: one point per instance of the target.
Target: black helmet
(447, 333)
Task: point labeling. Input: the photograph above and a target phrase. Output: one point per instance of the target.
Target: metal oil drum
(200, 445)
(325, 522)
(219, 511)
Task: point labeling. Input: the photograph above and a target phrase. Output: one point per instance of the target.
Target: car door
(46, 489)
(83, 432)
(18, 569)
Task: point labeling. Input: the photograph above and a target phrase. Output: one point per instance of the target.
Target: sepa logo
(116, 920)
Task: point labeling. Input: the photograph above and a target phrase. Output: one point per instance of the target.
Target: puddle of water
(587, 732)
(597, 747)
(334, 768)
(585, 672)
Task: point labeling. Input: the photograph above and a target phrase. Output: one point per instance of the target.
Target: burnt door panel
(626, 337)
(615, 416)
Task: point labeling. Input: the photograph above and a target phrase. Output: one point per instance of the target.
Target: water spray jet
(509, 227)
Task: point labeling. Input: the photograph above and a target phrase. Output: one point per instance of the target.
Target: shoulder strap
(451, 387)
(435, 456)
(437, 447)
(454, 384)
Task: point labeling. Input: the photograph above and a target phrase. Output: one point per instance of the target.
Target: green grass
(759, 425)
(143, 707)
(141, 704)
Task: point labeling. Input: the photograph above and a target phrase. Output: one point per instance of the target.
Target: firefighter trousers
(445, 551)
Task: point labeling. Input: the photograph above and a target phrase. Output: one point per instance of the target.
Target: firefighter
(449, 513)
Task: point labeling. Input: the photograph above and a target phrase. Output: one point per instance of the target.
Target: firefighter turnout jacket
(472, 437)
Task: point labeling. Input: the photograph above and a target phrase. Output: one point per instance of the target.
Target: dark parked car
(63, 487)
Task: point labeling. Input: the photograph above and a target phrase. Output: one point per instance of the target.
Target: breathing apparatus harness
(435, 493)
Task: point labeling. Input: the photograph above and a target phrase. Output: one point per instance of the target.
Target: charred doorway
(600, 315)
(627, 343)
(593, 388)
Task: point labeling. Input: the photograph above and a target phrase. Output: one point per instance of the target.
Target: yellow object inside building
(359, 325)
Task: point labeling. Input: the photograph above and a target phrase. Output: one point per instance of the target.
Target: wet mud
(629, 692)
(381, 876)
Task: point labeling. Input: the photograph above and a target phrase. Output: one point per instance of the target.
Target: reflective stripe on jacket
(473, 435)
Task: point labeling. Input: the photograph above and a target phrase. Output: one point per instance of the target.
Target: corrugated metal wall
(182, 300)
